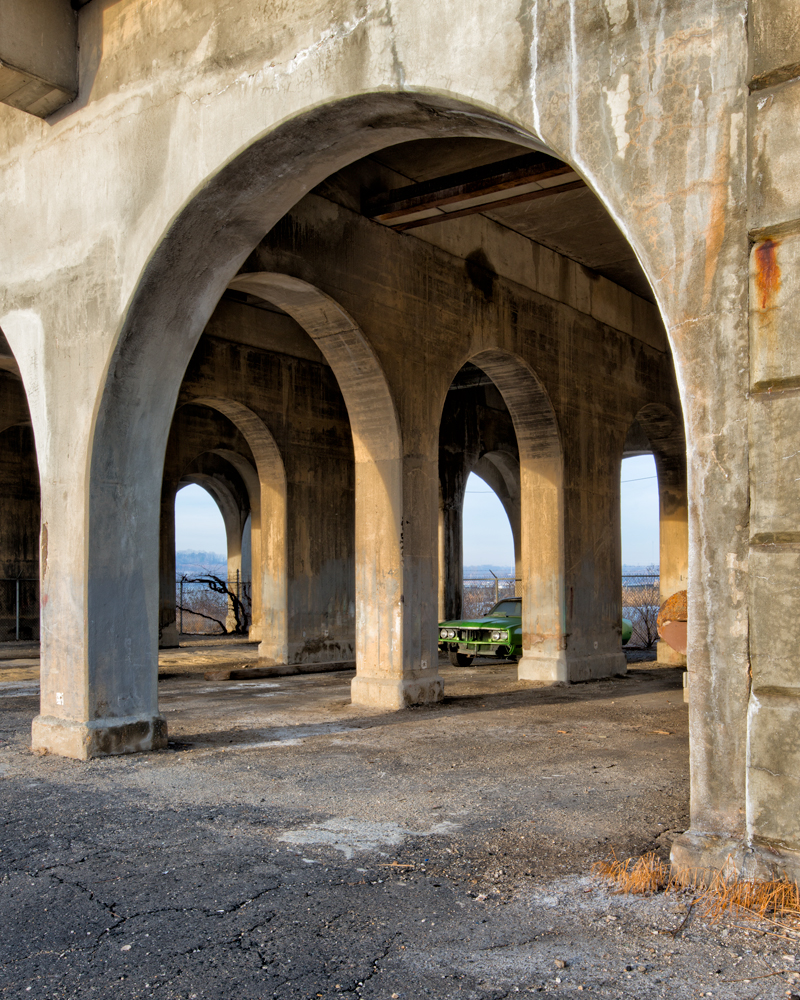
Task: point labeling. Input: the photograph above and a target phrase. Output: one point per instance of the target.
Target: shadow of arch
(541, 514)
(268, 523)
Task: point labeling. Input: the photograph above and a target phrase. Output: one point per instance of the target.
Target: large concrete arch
(395, 664)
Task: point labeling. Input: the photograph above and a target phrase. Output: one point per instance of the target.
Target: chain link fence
(19, 610)
(206, 604)
(481, 595)
(640, 604)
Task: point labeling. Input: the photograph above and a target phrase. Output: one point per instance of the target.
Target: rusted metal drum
(671, 622)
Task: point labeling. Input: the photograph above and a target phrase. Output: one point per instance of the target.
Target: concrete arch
(269, 518)
(544, 655)
(381, 618)
(103, 697)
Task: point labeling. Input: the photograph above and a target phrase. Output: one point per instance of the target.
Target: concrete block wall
(773, 747)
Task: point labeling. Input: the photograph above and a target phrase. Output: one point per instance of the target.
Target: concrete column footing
(169, 638)
(705, 854)
(392, 694)
(561, 668)
(551, 668)
(98, 738)
(596, 665)
(669, 657)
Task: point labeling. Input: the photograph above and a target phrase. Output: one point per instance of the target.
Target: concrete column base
(391, 694)
(254, 633)
(702, 855)
(705, 854)
(551, 668)
(169, 638)
(98, 738)
(560, 668)
(669, 657)
(597, 665)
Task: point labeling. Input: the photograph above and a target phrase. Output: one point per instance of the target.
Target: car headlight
(443, 633)
(499, 636)
(451, 633)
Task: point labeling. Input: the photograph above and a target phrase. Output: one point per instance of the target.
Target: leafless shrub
(640, 603)
(210, 598)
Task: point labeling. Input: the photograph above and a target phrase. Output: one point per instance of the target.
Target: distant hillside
(200, 562)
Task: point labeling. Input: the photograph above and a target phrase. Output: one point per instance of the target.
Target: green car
(497, 634)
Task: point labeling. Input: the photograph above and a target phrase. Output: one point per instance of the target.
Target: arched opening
(205, 521)
(200, 528)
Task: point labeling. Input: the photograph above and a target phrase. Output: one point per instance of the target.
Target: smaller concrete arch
(272, 515)
(395, 586)
(542, 549)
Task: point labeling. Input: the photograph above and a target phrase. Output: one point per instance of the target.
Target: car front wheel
(460, 659)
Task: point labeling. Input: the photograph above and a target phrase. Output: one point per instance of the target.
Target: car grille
(474, 634)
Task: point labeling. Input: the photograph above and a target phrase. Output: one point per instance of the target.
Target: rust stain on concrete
(768, 272)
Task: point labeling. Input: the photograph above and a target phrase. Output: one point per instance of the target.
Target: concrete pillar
(451, 566)
(773, 744)
(593, 556)
(673, 510)
(168, 637)
(663, 436)
(396, 508)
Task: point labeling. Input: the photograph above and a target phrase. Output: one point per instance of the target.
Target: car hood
(489, 621)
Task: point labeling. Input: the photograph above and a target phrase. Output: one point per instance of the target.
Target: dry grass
(776, 900)
(640, 876)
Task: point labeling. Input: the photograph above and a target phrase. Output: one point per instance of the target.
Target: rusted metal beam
(466, 185)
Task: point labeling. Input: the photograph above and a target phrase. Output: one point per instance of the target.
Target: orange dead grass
(776, 900)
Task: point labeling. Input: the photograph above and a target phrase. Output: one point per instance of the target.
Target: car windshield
(507, 608)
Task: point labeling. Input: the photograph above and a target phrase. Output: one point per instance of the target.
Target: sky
(487, 533)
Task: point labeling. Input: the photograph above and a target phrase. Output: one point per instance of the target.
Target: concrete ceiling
(573, 223)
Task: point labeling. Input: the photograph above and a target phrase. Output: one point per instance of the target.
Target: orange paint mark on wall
(768, 272)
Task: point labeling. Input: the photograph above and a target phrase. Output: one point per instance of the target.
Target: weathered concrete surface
(199, 127)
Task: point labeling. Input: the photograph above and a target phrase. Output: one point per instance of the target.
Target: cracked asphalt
(290, 845)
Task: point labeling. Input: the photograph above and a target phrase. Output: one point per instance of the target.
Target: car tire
(460, 659)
